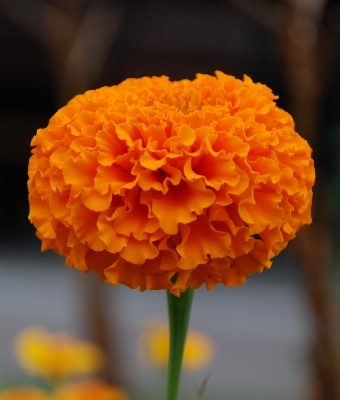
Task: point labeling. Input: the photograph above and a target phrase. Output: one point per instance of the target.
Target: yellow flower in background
(90, 390)
(56, 356)
(154, 344)
(206, 180)
(24, 393)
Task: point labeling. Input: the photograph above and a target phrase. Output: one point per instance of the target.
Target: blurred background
(278, 337)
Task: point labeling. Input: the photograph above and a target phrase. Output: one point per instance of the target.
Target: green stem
(179, 313)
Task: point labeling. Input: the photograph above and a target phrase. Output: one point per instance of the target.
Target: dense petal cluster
(202, 180)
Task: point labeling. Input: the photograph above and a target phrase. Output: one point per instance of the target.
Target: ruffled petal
(96, 201)
(215, 171)
(81, 171)
(186, 201)
(200, 242)
(204, 273)
(98, 261)
(137, 251)
(136, 222)
(262, 211)
(84, 222)
(114, 242)
(113, 179)
(109, 145)
(147, 276)
(40, 215)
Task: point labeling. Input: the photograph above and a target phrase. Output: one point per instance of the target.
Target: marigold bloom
(56, 356)
(24, 394)
(90, 390)
(155, 341)
(206, 179)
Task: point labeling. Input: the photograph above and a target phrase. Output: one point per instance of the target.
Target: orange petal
(84, 222)
(223, 195)
(232, 277)
(200, 242)
(215, 171)
(153, 133)
(267, 168)
(185, 135)
(59, 209)
(96, 201)
(84, 143)
(79, 120)
(288, 182)
(181, 283)
(110, 146)
(106, 233)
(40, 215)
(186, 201)
(77, 256)
(57, 182)
(153, 160)
(138, 251)
(206, 274)
(133, 276)
(254, 261)
(128, 133)
(98, 261)
(61, 240)
(80, 171)
(228, 144)
(158, 180)
(113, 178)
(136, 221)
(241, 242)
(262, 211)
(274, 240)
(42, 178)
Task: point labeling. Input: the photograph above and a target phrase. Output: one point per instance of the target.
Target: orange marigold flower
(90, 390)
(56, 356)
(206, 179)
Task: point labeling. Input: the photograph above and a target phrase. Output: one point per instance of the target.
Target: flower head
(155, 342)
(56, 356)
(205, 179)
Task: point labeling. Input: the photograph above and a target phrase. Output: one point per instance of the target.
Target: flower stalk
(179, 314)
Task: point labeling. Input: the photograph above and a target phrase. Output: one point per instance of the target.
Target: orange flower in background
(206, 179)
(24, 394)
(90, 390)
(56, 356)
(154, 346)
